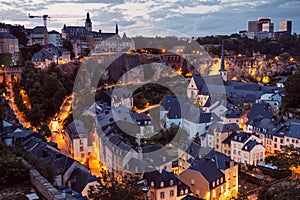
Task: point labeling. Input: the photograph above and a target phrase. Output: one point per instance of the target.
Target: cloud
(190, 17)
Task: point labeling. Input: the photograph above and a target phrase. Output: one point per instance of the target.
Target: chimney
(100, 31)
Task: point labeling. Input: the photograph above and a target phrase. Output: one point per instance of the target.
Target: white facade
(192, 128)
(242, 153)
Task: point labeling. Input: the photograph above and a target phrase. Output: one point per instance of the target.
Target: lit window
(171, 182)
(152, 184)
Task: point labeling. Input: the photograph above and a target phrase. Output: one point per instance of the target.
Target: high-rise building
(286, 26)
(268, 27)
(261, 25)
(254, 26)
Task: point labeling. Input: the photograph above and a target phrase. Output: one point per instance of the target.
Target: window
(162, 195)
(239, 146)
(275, 145)
(293, 140)
(275, 139)
(152, 195)
(213, 184)
(288, 140)
(171, 193)
(234, 145)
(162, 184)
(281, 140)
(81, 148)
(246, 155)
(171, 182)
(82, 155)
(80, 142)
(152, 184)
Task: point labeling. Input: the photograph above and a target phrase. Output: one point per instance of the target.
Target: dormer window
(171, 182)
(162, 184)
(152, 184)
(213, 183)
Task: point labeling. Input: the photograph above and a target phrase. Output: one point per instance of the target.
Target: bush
(277, 174)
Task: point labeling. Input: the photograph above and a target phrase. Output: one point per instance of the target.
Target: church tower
(88, 23)
(222, 70)
(117, 28)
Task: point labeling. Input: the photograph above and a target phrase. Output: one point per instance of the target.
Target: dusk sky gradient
(188, 17)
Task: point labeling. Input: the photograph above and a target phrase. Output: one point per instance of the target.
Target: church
(84, 39)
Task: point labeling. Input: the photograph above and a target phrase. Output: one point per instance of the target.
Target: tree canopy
(109, 187)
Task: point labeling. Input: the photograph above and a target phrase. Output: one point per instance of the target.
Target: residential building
(213, 177)
(247, 148)
(76, 136)
(54, 38)
(274, 100)
(43, 59)
(217, 133)
(164, 185)
(186, 155)
(285, 135)
(9, 44)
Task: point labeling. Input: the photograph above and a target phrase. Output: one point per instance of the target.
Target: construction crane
(45, 18)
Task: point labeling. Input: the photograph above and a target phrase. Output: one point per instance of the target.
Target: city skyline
(182, 18)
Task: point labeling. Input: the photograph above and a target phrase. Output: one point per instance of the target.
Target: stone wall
(44, 187)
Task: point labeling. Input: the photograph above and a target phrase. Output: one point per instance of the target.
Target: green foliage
(277, 174)
(12, 170)
(5, 59)
(149, 94)
(109, 188)
(287, 158)
(46, 91)
(246, 46)
(284, 191)
(291, 101)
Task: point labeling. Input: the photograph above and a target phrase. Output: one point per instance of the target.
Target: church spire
(117, 28)
(222, 59)
(88, 22)
(222, 70)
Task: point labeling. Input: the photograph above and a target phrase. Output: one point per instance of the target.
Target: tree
(291, 101)
(283, 191)
(109, 188)
(287, 158)
(11, 168)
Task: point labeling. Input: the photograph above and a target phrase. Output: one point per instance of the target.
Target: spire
(88, 19)
(222, 59)
(117, 29)
(88, 22)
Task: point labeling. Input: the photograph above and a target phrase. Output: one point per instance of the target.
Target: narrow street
(20, 115)
(56, 126)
